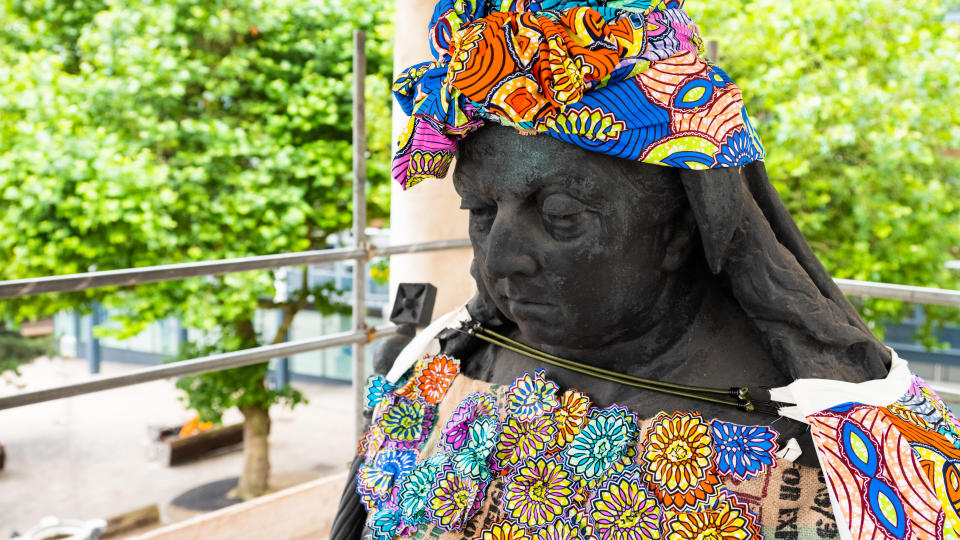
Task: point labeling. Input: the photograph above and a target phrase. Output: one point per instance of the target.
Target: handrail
(436, 245)
(169, 272)
(204, 364)
(906, 293)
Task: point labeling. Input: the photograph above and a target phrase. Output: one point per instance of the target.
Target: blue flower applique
(531, 396)
(390, 467)
(412, 498)
(383, 523)
(378, 389)
(743, 452)
(473, 458)
(602, 442)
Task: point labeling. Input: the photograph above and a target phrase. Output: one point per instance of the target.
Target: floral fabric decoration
(678, 460)
(569, 470)
(505, 531)
(602, 442)
(624, 510)
(378, 479)
(743, 452)
(522, 440)
(531, 396)
(436, 377)
(455, 433)
(373, 441)
(473, 458)
(413, 494)
(404, 421)
(571, 415)
(559, 530)
(383, 523)
(378, 389)
(537, 492)
(451, 500)
(727, 520)
(626, 79)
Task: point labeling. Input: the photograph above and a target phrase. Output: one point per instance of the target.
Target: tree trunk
(256, 452)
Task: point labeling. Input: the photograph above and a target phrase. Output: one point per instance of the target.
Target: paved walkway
(89, 456)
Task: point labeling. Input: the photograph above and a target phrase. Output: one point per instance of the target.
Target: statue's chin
(554, 334)
(539, 323)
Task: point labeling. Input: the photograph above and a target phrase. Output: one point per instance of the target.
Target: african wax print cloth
(894, 471)
(623, 78)
(451, 457)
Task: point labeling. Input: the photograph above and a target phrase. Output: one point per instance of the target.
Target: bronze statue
(693, 277)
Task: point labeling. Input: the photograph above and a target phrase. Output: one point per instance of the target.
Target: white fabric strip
(814, 395)
(790, 451)
(424, 342)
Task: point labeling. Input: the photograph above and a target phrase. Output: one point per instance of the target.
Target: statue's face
(570, 244)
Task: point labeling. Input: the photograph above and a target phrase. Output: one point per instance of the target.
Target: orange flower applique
(677, 460)
(571, 416)
(436, 377)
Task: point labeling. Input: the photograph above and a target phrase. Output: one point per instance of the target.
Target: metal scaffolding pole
(906, 293)
(359, 223)
(206, 364)
(151, 274)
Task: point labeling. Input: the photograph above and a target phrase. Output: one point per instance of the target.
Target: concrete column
(430, 210)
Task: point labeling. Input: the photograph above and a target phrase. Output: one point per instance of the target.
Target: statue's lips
(528, 309)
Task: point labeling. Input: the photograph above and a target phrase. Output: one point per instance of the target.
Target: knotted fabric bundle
(624, 78)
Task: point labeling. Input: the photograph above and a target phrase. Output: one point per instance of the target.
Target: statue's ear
(716, 199)
(679, 235)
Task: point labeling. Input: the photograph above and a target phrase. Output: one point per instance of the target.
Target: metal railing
(361, 334)
(194, 366)
(906, 293)
(170, 272)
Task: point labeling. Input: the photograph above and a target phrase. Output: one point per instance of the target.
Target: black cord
(739, 396)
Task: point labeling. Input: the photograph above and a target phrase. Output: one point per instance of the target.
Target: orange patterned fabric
(626, 81)
(893, 471)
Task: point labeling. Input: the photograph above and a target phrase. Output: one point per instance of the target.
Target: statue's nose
(510, 246)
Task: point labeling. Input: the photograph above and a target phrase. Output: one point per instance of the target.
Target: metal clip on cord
(739, 396)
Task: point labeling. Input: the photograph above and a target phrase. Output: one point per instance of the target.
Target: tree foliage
(138, 132)
(190, 130)
(857, 104)
(16, 350)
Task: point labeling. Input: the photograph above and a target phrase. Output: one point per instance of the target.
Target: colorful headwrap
(620, 77)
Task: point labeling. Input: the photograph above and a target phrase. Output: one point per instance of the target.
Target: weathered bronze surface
(606, 261)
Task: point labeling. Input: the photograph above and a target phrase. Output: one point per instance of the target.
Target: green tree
(856, 103)
(16, 350)
(137, 133)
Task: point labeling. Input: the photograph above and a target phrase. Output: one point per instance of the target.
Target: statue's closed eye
(564, 217)
(561, 205)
